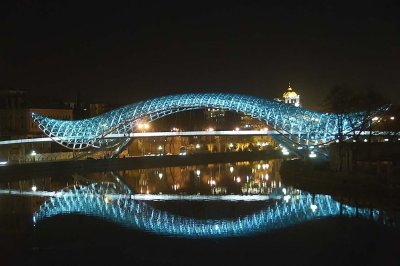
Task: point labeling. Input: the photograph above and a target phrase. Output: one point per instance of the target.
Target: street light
(143, 126)
(160, 148)
(33, 154)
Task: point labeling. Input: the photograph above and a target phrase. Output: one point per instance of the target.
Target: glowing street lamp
(143, 126)
(285, 151)
(33, 154)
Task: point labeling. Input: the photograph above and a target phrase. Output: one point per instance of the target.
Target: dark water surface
(217, 214)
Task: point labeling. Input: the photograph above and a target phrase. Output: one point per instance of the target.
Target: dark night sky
(139, 49)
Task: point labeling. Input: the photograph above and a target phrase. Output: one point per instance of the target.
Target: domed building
(291, 97)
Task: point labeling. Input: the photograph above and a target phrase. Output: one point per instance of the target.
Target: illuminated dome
(291, 97)
(290, 93)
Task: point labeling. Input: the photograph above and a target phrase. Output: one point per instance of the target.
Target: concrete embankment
(11, 171)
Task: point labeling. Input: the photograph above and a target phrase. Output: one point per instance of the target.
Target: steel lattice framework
(301, 126)
(100, 200)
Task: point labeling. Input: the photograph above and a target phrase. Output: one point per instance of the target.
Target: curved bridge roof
(300, 125)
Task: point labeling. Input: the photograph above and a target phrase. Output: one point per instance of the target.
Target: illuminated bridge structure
(297, 125)
(109, 201)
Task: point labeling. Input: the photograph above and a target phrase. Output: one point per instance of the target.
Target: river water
(236, 213)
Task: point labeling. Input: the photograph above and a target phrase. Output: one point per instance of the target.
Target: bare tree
(348, 105)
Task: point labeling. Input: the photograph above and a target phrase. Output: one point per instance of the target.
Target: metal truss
(115, 204)
(301, 126)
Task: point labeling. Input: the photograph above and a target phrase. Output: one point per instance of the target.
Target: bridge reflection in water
(115, 202)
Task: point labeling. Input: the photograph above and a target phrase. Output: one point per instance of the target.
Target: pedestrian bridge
(298, 125)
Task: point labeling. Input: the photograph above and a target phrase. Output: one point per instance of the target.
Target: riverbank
(9, 172)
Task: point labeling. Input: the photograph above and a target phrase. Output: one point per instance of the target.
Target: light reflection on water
(98, 201)
(129, 199)
(214, 179)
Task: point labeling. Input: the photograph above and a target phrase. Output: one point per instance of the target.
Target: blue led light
(300, 125)
(95, 200)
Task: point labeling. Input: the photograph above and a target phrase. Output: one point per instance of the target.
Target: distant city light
(198, 172)
(210, 129)
(231, 169)
(160, 175)
(34, 188)
(312, 154)
(238, 179)
(197, 146)
(375, 118)
(33, 153)
(3, 162)
(392, 118)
